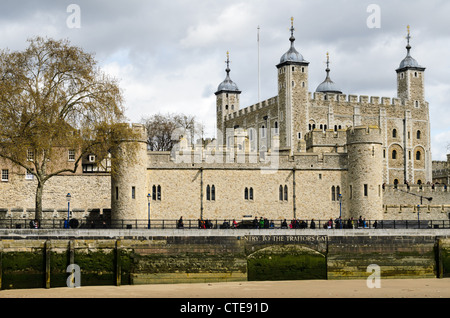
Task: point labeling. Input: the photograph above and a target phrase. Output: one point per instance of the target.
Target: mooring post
(47, 247)
(71, 252)
(1, 265)
(118, 263)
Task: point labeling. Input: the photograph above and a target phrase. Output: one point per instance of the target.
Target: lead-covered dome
(409, 61)
(228, 85)
(292, 55)
(328, 86)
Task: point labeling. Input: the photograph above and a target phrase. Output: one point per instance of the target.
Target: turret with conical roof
(227, 101)
(410, 77)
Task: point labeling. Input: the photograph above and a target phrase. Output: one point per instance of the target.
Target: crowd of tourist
(264, 223)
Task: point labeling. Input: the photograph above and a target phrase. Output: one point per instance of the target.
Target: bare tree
(54, 99)
(164, 131)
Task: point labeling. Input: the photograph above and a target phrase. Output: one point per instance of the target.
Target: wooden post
(118, 263)
(47, 248)
(1, 265)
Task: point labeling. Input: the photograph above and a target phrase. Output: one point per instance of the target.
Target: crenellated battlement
(362, 99)
(252, 108)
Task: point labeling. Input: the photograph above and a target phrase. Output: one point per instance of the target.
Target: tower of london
(310, 152)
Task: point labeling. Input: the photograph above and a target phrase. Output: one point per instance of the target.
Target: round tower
(365, 173)
(129, 179)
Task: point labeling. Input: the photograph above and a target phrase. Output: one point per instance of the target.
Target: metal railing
(223, 224)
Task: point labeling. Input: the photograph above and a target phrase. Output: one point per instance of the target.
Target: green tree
(54, 98)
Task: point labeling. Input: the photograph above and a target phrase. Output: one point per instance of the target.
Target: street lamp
(68, 197)
(149, 199)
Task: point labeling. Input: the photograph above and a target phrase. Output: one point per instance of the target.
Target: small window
(159, 193)
(91, 158)
(263, 131)
(246, 194)
(71, 155)
(213, 193)
(117, 193)
(303, 70)
(394, 133)
(285, 193)
(29, 175)
(208, 193)
(280, 193)
(30, 154)
(251, 194)
(418, 155)
(276, 127)
(418, 134)
(333, 193)
(417, 104)
(293, 68)
(394, 154)
(299, 135)
(154, 193)
(133, 192)
(5, 175)
(366, 190)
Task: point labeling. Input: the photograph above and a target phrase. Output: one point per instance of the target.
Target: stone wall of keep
(91, 195)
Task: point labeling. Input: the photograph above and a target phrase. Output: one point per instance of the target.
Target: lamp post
(68, 197)
(149, 199)
(418, 218)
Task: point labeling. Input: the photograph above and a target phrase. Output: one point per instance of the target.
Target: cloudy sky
(169, 55)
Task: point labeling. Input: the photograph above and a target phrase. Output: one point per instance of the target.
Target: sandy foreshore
(389, 288)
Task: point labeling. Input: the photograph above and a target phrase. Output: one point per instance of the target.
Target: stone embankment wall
(39, 258)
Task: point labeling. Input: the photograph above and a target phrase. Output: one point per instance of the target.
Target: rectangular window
(71, 155)
(29, 175)
(30, 154)
(117, 193)
(366, 190)
(133, 192)
(5, 175)
(351, 192)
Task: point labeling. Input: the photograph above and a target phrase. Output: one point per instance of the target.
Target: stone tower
(293, 96)
(129, 180)
(227, 102)
(410, 78)
(365, 173)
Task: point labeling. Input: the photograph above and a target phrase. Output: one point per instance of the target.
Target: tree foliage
(53, 98)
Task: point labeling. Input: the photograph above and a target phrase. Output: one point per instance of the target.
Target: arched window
(418, 155)
(213, 193)
(208, 193)
(159, 193)
(285, 193)
(338, 192)
(246, 194)
(154, 193)
(394, 154)
(333, 193)
(275, 125)
(418, 134)
(251, 194)
(280, 193)
(394, 133)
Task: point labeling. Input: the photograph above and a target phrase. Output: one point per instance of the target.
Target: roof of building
(328, 86)
(228, 85)
(292, 55)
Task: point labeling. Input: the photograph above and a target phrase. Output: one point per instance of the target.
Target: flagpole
(259, 85)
